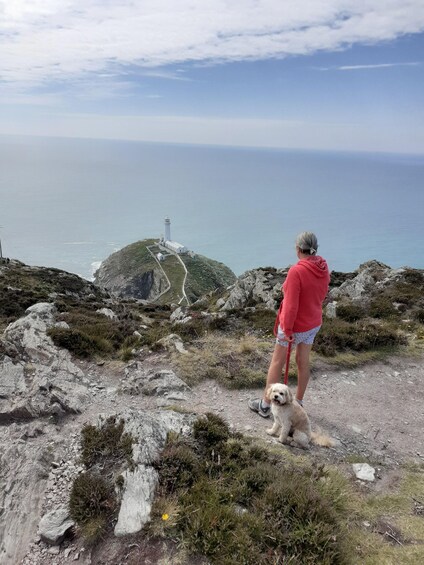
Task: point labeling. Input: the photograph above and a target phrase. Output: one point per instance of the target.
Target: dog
(289, 415)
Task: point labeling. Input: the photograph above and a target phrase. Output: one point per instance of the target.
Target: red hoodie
(305, 288)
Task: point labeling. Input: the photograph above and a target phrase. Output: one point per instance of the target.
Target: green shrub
(106, 444)
(337, 335)
(79, 343)
(260, 320)
(91, 497)
(419, 315)
(350, 312)
(211, 430)
(381, 307)
(179, 467)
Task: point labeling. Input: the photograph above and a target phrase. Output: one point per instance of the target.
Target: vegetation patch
(338, 335)
(246, 504)
(233, 362)
(105, 452)
(22, 286)
(205, 275)
(107, 444)
(92, 334)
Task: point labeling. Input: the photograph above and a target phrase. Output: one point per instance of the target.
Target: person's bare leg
(275, 368)
(302, 361)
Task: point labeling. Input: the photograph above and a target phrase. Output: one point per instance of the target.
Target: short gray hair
(307, 242)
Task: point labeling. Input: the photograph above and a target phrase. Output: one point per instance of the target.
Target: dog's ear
(289, 396)
(269, 391)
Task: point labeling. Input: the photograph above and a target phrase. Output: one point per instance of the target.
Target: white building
(160, 256)
(176, 247)
(173, 246)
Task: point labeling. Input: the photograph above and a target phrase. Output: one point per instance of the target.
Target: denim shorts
(299, 337)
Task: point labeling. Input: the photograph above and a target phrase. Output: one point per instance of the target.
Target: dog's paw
(270, 431)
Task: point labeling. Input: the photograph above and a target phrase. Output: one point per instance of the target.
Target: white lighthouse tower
(167, 229)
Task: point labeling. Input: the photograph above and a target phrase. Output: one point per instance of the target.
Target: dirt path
(375, 412)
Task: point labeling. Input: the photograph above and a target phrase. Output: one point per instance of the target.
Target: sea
(70, 203)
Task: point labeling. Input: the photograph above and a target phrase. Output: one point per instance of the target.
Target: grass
(234, 363)
(93, 334)
(106, 451)
(107, 443)
(205, 275)
(245, 504)
(175, 273)
(340, 336)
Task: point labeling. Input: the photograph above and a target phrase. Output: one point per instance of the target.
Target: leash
(286, 373)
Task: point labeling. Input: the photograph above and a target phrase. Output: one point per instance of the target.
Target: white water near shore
(70, 203)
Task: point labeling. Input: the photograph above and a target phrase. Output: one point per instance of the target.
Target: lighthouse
(167, 229)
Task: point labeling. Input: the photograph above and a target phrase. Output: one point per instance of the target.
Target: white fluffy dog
(288, 415)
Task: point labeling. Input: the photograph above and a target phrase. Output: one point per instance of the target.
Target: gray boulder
(54, 526)
(152, 383)
(369, 279)
(256, 286)
(108, 313)
(173, 342)
(137, 500)
(44, 381)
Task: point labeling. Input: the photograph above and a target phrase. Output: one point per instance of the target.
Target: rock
(371, 277)
(62, 325)
(54, 525)
(256, 286)
(173, 341)
(139, 489)
(178, 314)
(108, 313)
(220, 302)
(364, 472)
(28, 333)
(152, 383)
(331, 310)
(54, 550)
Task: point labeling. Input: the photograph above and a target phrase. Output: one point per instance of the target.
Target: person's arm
(291, 303)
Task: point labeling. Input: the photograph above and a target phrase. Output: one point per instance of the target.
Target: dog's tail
(321, 439)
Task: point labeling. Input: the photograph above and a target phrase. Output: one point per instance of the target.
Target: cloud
(376, 66)
(43, 41)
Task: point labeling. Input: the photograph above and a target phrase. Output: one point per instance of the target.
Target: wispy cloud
(44, 41)
(365, 67)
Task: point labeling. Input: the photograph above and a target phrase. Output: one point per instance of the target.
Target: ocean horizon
(70, 203)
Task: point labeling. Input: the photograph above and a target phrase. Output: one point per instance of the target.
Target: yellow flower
(165, 517)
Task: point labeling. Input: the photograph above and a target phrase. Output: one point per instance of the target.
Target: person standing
(305, 289)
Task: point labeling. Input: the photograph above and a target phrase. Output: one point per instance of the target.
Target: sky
(307, 74)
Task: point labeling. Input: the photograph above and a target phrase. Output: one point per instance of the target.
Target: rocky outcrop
(54, 526)
(371, 277)
(380, 290)
(40, 380)
(43, 380)
(258, 286)
(162, 382)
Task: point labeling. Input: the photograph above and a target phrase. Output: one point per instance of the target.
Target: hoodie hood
(316, 265)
